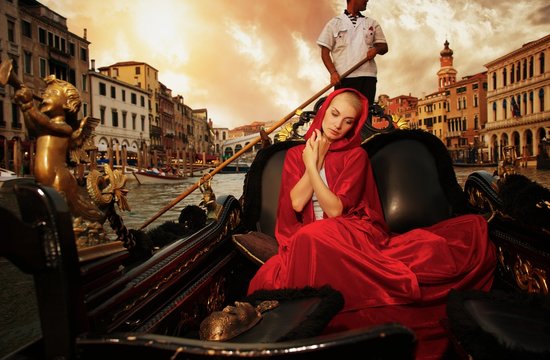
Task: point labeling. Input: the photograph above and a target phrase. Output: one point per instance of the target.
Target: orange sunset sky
(257, 60)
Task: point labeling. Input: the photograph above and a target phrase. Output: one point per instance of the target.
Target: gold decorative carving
(59, 134)
(530, 278)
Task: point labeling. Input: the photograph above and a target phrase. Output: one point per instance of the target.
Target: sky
(257, 60)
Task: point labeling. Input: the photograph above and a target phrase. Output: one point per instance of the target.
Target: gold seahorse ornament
(104, 189)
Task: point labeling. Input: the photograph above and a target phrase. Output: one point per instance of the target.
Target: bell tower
(447, 73)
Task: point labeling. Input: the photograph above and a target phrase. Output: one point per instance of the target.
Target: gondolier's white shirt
(349, 44)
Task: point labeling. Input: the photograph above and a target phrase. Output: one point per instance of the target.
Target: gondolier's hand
(334, 77)
(372, 53)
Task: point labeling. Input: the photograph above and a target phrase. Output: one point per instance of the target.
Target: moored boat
(237, 167)
(149, 177)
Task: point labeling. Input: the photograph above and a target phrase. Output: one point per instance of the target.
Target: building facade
(518, 100)
(38, 42)
(123, 115)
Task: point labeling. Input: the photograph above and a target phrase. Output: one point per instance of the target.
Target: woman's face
(339, 118)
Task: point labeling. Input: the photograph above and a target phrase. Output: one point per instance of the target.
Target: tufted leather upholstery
(413, 171)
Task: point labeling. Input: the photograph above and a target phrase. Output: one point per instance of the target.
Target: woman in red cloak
(331, 230)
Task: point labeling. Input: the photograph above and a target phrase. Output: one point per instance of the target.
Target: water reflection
(146, 200)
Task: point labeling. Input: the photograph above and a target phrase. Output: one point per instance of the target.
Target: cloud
(251, 61)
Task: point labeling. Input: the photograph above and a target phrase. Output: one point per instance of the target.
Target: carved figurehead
(59, 133)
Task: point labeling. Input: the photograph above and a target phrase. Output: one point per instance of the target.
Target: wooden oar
(247, 147)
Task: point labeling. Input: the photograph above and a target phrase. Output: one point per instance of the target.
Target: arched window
(504, 78)
(541, 99)
(541, 63)
(512, 74)
(524, 69)
(494, 81)
(531, 66)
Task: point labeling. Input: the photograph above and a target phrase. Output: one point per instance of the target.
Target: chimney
(85, 34)
(93, 65)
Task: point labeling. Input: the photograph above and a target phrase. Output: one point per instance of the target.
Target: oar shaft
(247, 147)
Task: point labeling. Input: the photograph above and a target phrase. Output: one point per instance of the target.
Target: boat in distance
(150, 178)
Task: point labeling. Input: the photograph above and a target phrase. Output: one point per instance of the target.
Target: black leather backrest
(408, 182)
(271, 183)
(262, 185)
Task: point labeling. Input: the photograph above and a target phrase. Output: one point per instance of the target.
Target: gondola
(151, 303)
(156, 293)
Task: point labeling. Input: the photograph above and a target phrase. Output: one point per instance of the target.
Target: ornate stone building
(38, 42)
(518, 99)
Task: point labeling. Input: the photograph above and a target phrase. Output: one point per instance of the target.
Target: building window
(541, 63)
(143, 102)
(84, 82)
(138, 70)
(42, 67)
(123, 93)
(494, 81)
(113, 92)
(26, 29)
(124, 116)
(11, 31)
(114, 115)
(85, 109)
(541, 100)
(102, 115)
(42, 36)
(134, 116)
(72, 49)
(102, 89)
(524, 69)
(142, 122)
(2, 121)
(531, 66)
(512, 75)
(15, 123)
(133, 98)
(72, 77)
(518, 71)
(27, 63)
(504, 78)
(83, 54)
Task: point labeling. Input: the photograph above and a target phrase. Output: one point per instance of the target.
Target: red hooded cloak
(383, 277)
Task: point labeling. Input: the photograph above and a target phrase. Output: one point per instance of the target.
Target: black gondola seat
(38, 238)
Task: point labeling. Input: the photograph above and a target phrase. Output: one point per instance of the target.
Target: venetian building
(466, 117)
(144, 76)
(180, 140)
(123, 117)
(518, 99)
(167, 121)
(203, 136)
(446, 73)
(38, 42)
(403, 107)
(432, 108)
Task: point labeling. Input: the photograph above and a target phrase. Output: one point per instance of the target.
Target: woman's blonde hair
(354, 100)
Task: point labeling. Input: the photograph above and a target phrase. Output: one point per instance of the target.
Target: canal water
(146, 200)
